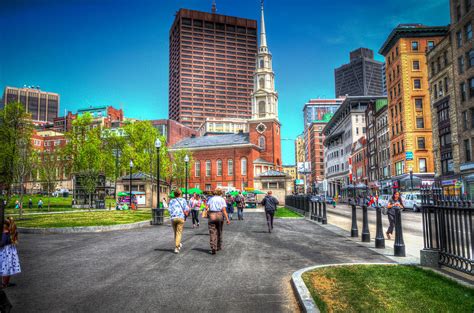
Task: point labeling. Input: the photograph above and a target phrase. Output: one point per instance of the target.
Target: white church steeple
(264, 96)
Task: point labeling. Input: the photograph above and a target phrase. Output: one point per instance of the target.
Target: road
(136, 270)
(412, 225)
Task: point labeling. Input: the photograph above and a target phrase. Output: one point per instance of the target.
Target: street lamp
(157, 146)
(186, 161)
(130, 185)
(411, 178)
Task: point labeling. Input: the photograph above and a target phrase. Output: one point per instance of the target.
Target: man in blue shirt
(178, 209)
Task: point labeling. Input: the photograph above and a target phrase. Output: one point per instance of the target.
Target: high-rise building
(462, 15)
(362, 76)
(410, 120)
(211, 66)
(43, 106)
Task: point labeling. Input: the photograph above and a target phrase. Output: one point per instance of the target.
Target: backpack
(240, 201)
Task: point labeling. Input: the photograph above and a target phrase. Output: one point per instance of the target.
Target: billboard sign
(299, 182)
(304, 168)
(409, 156)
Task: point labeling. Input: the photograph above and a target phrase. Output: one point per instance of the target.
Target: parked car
(383, 200)
(412, 201)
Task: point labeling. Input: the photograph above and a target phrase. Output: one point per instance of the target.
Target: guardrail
(315, 210)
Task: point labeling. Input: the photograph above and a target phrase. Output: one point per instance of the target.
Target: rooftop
(273, 173)
(213, 141)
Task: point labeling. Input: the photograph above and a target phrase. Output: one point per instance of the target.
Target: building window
(262, 83)
(420, 123)
(464, 120)
(421, 143)
(419, 104)
(422, 165)
(414, 45)
(417, 83)
(208, 187)
(261, 109)
(197, 169)
(261, 63)
(219, 167)
(468, 31)
(230, 167)
(431, 45)
(208, 168)
(261, 142)
(470, 58)
(471, 87)
(462, 88)
(467, 150)
(416, 65)
(459, 39)
(243, 166)
(461, 64)
(399, 167)
(445, 140)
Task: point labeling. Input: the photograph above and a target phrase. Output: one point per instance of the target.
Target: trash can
(157, 216)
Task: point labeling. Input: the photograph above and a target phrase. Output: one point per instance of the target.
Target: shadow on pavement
(165, 250)
(206, 251)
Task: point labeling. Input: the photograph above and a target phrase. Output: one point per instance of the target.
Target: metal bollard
(399, 246)
(312, 211)
(365, 224)
(379, 238)
(318, 216)
(324, 219)
(354, 229)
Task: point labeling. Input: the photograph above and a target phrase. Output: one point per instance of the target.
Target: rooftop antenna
(214, 10)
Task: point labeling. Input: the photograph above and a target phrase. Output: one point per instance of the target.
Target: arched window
(197, 168)
(230, 167)
(208, 168)
(261, 109)
(219, 167)
(262, 83)
(243, 166)
(261, 63)
(261, 142)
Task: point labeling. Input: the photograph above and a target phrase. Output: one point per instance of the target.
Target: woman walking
(216, 213)
(395, 203)
(178, 209)
(195, 205)
(230, 205)
(9, 262)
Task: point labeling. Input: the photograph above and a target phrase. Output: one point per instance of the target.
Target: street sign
(409, 156)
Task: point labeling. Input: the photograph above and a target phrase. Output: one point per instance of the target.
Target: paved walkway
(136, 271)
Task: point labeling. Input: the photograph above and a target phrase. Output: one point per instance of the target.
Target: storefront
(452, 187)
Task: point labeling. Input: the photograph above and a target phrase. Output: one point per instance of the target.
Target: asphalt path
(137, 271)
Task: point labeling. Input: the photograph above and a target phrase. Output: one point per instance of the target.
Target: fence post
(399, 246)
(379, 238)
(324, 219)
(365, 224)
(312, 210)
(319, 215)
(354, 229)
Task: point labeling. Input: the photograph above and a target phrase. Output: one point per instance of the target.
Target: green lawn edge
(390, 288)
(286, 213)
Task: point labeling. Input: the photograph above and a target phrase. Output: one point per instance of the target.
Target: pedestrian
(230, 205)
(395, 203)
(240, 201)
(178, 209)
(270, 204)
(40, 204)
(195, 205)
(30, 204)
(17, 204)
(9, 261)
(216, 213)
(164, 203)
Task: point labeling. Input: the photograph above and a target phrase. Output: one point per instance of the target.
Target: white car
(412, 201)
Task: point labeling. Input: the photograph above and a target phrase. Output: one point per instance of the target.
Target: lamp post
(130, 185)
(186, 161)
(411, 178)
(157, 146)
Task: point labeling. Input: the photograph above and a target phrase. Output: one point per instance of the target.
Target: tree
(47, 165)
(178, 168)
(16, 130)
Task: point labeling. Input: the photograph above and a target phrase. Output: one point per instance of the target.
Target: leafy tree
(47, 165)
(178, 168)
(16, 130)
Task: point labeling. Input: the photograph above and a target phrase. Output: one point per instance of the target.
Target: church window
(230, 167)
(262, 83)
(219, 167)
(261, 63)
(261, 109)
(243, 166)
(261, 142)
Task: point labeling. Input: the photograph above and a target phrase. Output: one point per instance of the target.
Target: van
(412, 201)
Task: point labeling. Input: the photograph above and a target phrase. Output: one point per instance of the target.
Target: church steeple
(264, 96)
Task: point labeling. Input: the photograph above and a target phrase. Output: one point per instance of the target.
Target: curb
(83, 229)
(303, 295)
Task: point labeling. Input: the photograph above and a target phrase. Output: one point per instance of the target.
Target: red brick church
(235, 159)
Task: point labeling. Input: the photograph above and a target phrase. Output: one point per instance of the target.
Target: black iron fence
(447, 228)
(311, 207)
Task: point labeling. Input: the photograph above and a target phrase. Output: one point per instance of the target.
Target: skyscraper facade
(362, 76)
(211, 67)
(43, 106)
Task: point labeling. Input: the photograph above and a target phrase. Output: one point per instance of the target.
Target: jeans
(178, 224)
(391, 219)
(270, 215)
(240, 213)
(195, 214)
(215, 224)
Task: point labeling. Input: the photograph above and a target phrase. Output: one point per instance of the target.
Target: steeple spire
(263, 36)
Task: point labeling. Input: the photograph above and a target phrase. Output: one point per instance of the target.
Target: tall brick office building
(235, 160)
(211, 65)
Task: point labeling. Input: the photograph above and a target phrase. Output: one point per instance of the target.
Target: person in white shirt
(216, 212)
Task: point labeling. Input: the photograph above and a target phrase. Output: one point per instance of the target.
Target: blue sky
(115, 52)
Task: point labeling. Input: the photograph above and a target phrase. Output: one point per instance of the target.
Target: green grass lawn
(54, 201)
(386, 288)
(285, 212)
(103, 218)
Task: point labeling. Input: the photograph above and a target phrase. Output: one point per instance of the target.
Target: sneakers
(180, 246)
(176, 250)
(213, 251)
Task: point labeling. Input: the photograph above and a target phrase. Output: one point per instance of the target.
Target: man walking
(178, 209)
(217, 212)
(270, 204)
(240, 201)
